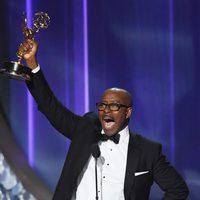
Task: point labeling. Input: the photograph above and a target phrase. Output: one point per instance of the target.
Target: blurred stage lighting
(10, 186)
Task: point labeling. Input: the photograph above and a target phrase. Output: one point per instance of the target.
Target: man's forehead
(116, 95)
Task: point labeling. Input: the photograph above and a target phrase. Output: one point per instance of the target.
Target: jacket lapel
(132, 162)
(93, 136)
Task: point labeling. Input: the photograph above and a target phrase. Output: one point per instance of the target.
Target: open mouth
(108, 121)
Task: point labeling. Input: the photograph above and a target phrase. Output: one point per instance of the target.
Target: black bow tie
(115, 138)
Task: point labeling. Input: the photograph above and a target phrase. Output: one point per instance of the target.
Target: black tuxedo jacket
(83, 131)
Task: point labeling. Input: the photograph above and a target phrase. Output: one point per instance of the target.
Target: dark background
(150, 48)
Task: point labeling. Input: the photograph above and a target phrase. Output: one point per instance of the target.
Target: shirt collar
(123, 133)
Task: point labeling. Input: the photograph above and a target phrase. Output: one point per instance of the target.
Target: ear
(129, 112)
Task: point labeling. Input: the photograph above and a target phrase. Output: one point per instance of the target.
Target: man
(128, 164)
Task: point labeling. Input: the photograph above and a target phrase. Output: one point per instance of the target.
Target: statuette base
(14, 70)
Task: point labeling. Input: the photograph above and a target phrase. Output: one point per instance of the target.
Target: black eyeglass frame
(109, 106)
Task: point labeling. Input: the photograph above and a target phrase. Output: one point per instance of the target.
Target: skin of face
(114, 121)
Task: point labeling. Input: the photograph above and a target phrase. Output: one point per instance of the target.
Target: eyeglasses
(112, 106)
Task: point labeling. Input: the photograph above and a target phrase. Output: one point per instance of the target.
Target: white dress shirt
(111, 167)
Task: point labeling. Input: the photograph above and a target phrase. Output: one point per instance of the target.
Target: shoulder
(92, 117)
(145, 140)
(146, 144)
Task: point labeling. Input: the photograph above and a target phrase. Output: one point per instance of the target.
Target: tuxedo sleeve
(169, 180)
(58, 115)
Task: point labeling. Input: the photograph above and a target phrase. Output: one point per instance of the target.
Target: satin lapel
(132, 162)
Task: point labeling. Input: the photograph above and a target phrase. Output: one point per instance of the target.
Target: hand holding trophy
(16, 70)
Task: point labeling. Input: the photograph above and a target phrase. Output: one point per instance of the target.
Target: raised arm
(58, 115)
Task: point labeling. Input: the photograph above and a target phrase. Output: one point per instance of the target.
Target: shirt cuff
(37, 69)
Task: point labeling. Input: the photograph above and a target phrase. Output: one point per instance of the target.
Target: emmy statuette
(16, 70)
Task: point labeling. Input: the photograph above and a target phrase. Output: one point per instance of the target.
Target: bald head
(124, 94)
